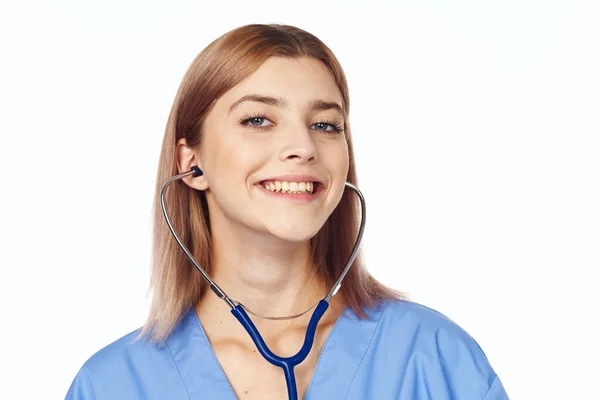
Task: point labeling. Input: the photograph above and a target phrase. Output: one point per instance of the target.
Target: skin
(260, 242)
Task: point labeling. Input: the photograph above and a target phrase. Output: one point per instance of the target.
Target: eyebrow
(315, 105)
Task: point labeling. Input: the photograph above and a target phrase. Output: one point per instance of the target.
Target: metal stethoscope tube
(287, 363)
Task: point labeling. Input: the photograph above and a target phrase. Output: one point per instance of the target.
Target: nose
(298, 145)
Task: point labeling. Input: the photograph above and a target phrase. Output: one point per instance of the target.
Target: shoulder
(121, 368)
(427, 346)
(126, 349)
(428, 331)
(412, 316)
(415, 319)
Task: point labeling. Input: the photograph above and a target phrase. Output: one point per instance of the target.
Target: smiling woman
(263, 112)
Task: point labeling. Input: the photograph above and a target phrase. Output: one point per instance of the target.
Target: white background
(477, 136)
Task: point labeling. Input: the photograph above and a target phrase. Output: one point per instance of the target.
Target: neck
(270, 277)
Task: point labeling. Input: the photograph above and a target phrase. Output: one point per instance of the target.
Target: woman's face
(279, 130)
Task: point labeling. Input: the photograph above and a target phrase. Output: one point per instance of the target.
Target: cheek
(337, 160)
(247, 155)
(337, 163)
(233, 164)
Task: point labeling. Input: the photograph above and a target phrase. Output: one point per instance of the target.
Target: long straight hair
(175, 283)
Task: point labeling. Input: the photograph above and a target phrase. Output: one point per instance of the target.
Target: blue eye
(256, 121)
(327, 127)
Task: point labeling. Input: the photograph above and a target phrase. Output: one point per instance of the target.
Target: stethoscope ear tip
(196, 171)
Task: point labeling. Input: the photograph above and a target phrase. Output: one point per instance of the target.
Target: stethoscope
(237, 309)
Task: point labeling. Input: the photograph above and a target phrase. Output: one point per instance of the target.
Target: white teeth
(289, 187)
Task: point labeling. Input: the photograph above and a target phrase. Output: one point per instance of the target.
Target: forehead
(298, 80)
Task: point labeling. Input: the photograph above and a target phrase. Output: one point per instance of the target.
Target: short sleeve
(496, 391)
(81, 388)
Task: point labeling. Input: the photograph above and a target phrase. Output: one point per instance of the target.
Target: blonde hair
(175, 283)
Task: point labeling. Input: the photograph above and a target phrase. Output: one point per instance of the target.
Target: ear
(186, 159)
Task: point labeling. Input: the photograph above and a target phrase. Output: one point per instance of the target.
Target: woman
(263, 112)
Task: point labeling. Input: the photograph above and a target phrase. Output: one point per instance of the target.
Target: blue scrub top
(403, 351)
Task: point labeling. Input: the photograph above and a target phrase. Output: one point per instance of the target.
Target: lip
(293, 178)
(295, 198)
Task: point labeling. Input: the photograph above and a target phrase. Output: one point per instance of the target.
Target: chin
(296, 234)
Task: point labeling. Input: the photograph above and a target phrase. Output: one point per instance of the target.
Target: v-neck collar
(342, 354)
(344, 349)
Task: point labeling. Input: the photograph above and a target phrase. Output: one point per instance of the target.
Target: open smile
(295, 191)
